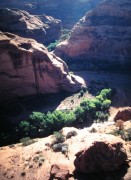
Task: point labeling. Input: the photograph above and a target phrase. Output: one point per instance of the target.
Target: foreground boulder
(28, 68)
(101, 39)
(100, 156)
(42, 28)
(123, 114)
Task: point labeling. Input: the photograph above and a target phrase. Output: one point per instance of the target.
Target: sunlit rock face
(101, 39)
(44, 29)
(69, 11)
(93, 151)
(26, 67)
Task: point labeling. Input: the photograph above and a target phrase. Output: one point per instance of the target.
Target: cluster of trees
(65, 35)
(40, 124)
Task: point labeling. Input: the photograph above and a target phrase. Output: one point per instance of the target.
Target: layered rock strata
(26, 67)
(101, 39)
(42, 28)
(68, 11)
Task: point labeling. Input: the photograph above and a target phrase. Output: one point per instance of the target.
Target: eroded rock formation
(42, 28)
(101, 39)
(26, 67)
(69, 11)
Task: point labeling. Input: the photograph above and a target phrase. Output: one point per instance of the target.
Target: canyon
(42, 28)
(28, 68)
(56, 122)
(101, 39)
(69, 12)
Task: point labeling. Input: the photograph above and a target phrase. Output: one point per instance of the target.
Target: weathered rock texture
(123, 114)
(44, 29)
(26, 67)
(18, 159)
(101, 156)
(61, 173)
(69, 11)
(101, 39)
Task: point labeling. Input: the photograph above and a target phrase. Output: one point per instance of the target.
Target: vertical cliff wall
(101, 39)
(26, 68)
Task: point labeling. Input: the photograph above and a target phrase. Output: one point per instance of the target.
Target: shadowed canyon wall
(69, 11)
(42, 28)
(101, 40)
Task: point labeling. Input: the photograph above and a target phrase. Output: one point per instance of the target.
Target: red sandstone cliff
(42, 28)
(68, 11)
(102, 38)
(26, 67)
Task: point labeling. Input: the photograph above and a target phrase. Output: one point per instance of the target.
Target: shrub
(81, 93)
(79, 113)
(100, 98)
(42, 159)
(106, 93)
(61, 147)
(120, 124)
(36, 159)
(24, 128)
(52, 46)
(128, 135)
(65, 35)
(106, 104)
(27, 141)
(58, 138)
(102, 116)
(69, 118)
(23, 173)
(70, 134)
(93, 130)
(40, 163)
(39, 159)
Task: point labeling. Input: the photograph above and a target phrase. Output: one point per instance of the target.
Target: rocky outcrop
(68, 11)
(100, 156)
(26, 67)
(101, 39)
(124, 114)
(42, 28)
(16, 159)
(61, 173)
